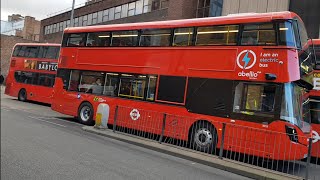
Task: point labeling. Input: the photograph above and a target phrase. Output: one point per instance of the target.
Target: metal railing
(259, 147)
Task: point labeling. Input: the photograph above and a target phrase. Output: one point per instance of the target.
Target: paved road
(37, 143)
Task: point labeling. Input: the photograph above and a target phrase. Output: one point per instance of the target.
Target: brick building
(98, 12)
(7, 43)
(25, 27)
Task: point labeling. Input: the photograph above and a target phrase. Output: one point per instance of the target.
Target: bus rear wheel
(85, 114)
(22, 96)
(203, 137)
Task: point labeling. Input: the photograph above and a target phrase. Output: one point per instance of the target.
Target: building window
(203, 8)
(111, 14)
(132, 7)
(100, 15)
(94, 18)
(54, 28)
(68, 23)
(81, 21)
(147, 6)
(85, 20)
(105, 15)
(117, 12)
(139, 7)
(124, 10)
(89, 20)
(76, 22)
(61, 26)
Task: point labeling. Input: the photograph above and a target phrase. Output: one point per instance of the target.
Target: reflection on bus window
(132, 86)
(92, 82)
(74, 80)
(151, 88)
(111, 84)
(99, 39)
(155, 37)
(217, 35)
(254, 99)
(183, 37)
(258, 34)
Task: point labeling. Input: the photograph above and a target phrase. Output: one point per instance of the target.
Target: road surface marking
(47, 121)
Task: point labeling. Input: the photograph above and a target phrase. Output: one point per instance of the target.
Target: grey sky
(36, 8)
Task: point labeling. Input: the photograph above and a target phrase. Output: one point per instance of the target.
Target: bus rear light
(292, 133)
(13, 63)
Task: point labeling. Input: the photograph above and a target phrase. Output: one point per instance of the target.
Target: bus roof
(230, 19)
(36, 44)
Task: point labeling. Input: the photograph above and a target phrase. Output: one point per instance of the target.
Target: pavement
(38, 143)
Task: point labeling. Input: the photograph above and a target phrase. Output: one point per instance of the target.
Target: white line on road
(47, 121)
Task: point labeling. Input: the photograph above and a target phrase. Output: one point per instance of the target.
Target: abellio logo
(246, 59)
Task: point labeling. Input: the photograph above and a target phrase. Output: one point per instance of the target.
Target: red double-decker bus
(314, 96)
(248, 70)
(32, 72)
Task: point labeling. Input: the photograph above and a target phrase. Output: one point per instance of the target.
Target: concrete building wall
(7, 43)
(257, 6)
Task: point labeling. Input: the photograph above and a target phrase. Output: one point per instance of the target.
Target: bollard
(163, 127)
(115, 119)
(222, 140)
(102, 116)
(308, 158)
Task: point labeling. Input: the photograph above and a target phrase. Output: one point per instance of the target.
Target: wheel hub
(203, 137)
(85, 113)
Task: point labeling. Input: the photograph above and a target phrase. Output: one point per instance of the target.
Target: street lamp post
(72, 13)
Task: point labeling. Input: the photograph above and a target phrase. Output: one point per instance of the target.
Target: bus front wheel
(85, 114)
(22, 96)
(203, 137)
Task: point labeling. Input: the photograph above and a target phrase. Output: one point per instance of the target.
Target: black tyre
(85, 114)
(22, 96)
(203, 137)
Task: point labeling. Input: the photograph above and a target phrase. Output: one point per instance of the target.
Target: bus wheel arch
(203, 136)
(22, 95)
(85, 113)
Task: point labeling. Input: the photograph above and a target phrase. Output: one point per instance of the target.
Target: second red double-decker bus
(314, 96)
(246, 70)
(32, 71)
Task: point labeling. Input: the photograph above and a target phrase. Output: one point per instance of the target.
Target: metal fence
(259, 147)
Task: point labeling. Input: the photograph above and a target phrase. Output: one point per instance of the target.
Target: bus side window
(16, 51)
(183, 37)
(258, 34)
(22, 51)
(74, 80)
(254, 99)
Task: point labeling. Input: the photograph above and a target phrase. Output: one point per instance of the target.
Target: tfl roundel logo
(246, 59)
